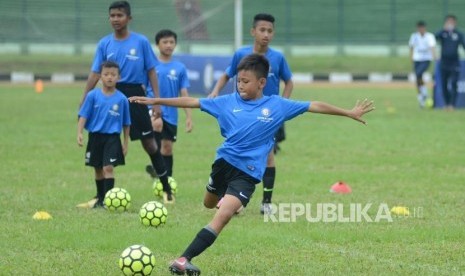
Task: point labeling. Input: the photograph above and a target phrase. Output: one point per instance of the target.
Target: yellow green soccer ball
(429, 103)
(117, 199)
(137, 260)
(153, 213)
(158, 187)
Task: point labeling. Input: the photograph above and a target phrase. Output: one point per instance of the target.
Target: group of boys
(248, 118)
(137, 64)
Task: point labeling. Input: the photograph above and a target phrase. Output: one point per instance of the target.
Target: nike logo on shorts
(244, 196)
(146, 132)
(112, 160)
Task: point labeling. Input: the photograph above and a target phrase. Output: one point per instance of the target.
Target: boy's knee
(166, 147)
(150, 146)
(209, 204)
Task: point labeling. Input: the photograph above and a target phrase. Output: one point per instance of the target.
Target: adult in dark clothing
(450, 39)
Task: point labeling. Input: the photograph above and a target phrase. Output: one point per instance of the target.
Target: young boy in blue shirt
(248, 120)
(173, 82)
(133, 53)
(105, 114)
(263, 32)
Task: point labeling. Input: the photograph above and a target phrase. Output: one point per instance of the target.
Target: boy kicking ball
(248, 120)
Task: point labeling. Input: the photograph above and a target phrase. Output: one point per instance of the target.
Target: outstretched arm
(219, 85)
(356, 113)
(186, 102)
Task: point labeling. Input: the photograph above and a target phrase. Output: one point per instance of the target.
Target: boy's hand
(146, 101)
(189, 125)
(125, 149)
(360, 109)
(80, 140)
(213, 95)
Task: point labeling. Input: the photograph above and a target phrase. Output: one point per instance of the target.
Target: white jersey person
(422, 51)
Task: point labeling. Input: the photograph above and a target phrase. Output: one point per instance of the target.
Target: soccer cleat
(168, 198)
(151, 171)
(182, 266)
(266, 209)
(98, 204)
(88, 204)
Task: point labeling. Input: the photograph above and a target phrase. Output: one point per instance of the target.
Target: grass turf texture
(47, 64)
(411, 157)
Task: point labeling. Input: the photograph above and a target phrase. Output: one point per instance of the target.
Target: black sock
(202, 241)
(169, 164)
(100, 188)
(109, 184)
(159, 165)
(157, 136)
(268, 184)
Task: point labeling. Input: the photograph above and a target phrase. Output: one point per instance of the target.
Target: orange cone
(39, 86)
(340, 188)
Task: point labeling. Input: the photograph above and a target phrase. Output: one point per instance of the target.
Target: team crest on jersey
(265, 116)
(114, 110)
(454, 36)
(132, 54)
(265, 112)
(172, 75)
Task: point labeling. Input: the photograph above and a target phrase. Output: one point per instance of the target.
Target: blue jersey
(105, 113)
(172, 77)
(134, 56)
(249, 127)
(279, 69)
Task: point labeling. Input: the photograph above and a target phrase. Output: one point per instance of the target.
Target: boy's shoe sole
(168, 199)
(182, 266)
(88, 204)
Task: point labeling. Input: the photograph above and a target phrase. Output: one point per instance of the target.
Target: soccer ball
(153, 213)
(117, 199)
(158, 187)
(136, 260)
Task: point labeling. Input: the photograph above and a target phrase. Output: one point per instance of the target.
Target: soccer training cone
(39, 86)
(340, 188)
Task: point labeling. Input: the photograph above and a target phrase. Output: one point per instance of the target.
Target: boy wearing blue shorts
(105, 114)
(248, 120)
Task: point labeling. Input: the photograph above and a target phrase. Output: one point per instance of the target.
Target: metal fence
(207, 22)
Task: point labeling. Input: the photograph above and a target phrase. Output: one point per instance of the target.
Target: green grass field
(405, 156)
(48, 64)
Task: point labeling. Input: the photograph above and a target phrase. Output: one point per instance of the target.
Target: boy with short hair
(173, 81)
(422, 51)
(248, 120)
(104, 114)
(263, 32)
(133, 52)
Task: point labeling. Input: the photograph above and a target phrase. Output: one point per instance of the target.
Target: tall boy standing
(133, 53)
(263, 32)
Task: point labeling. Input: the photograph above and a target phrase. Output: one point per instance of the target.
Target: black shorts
(227, 179)
(104, 150)
(141, 126)
(169, 131)
(420, 67)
